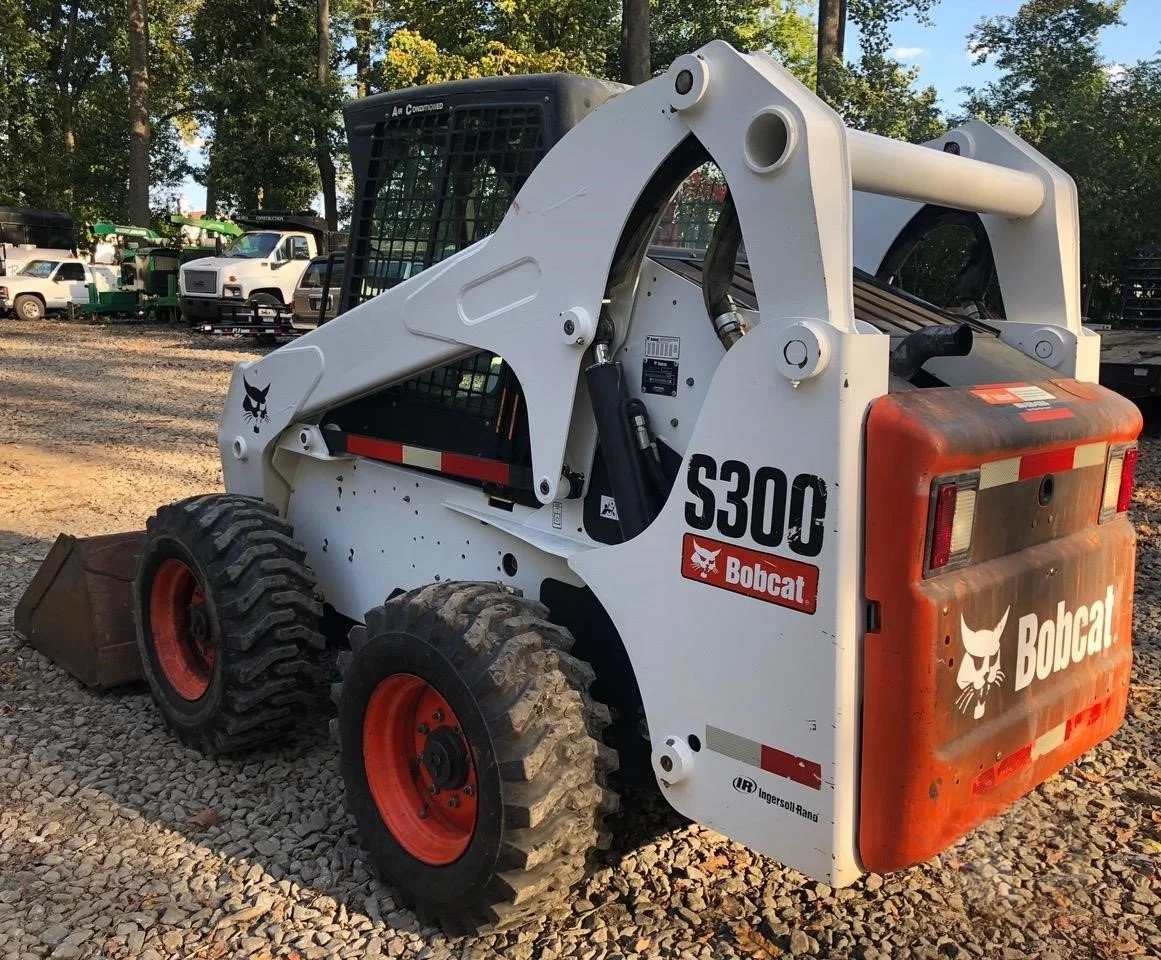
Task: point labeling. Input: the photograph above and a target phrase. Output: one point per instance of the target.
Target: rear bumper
(982, 681)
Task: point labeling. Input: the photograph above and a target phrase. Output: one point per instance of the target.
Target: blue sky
(940, 50)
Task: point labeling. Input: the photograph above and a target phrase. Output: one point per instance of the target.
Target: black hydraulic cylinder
(607, 390)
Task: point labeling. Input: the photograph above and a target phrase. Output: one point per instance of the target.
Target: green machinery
(148, 286)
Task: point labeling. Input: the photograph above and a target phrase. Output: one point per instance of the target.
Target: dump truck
(851, 570)
(251, 284)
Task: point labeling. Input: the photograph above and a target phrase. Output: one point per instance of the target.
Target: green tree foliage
(781, 28)
(1100, 122)
(875, 93)
(64, 119)
(257, 96)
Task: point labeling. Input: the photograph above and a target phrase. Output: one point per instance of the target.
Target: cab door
(71, 284)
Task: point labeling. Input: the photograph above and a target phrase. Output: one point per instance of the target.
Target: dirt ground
(102, 424)
(116, 842)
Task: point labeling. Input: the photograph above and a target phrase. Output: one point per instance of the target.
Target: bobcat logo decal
(703, 560)
(254, 404)
(979, 670)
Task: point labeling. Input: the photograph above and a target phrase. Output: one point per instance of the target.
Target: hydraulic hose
(718, 273)
(917, 348)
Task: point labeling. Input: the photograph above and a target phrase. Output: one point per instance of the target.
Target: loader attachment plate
(986, 677)
(78, 609)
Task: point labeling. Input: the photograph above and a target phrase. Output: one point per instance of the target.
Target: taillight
(1120, 474)
(953, 514)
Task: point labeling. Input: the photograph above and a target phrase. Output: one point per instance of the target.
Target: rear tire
(519, 740)
(226, 622)
(28, 307)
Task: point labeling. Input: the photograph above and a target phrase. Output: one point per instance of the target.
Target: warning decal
(660, 366)
(1033, 403)
(1012, 393)
(764, 576)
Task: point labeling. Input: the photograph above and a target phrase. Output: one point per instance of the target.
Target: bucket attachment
(78, 609)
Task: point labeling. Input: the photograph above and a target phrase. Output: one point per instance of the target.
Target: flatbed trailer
(1131, 361)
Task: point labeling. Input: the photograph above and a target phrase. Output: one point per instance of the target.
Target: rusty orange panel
(982, 681)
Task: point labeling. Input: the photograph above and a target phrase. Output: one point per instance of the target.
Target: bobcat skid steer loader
(861, 565)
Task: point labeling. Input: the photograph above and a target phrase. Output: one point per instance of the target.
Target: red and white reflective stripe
(453, 464)
(997, 473)
(1043, 745)
(771, 759)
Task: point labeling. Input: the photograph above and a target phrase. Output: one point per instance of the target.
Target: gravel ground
(116, 842)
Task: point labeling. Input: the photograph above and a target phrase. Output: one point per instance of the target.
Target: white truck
(49, 285)
(256, 274)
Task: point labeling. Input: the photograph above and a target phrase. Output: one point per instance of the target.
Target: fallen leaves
(1089, 777)
(205, 818)
(755, 944)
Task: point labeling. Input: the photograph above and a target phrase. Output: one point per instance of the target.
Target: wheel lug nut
(469, 790)
(453, 802)
(423, 814)
(437, 716)
(433, 789)
(422, 728)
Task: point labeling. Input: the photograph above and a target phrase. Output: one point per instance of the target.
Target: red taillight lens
(941, 528)
(1128, 475)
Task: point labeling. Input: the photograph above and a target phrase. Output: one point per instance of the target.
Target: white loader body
(740, 605)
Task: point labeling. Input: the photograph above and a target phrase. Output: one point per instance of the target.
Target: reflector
(941, 533)
(1128, 475)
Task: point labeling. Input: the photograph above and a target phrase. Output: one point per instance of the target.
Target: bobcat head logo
(703, 561)
(254, 404)
(979, 670)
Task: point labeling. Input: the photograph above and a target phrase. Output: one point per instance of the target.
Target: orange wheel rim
(420, 769)
(181, 632)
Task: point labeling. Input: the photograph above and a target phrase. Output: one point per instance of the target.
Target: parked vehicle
(846, 572)
(44, 286)
(315, 287)
(262, 266)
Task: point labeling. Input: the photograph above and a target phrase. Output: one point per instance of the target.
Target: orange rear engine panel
(982, 681)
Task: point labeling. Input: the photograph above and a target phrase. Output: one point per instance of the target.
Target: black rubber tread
(546, 736)
(265, 617)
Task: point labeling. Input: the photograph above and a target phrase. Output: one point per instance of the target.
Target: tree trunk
(363, 23)
(832, 21)
(635, 63)
(211, 185)
(322, 147)
(138, 25)
(64, 88)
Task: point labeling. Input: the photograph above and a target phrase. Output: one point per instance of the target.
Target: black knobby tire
(535, 736)
(28, 307)
(259, 619)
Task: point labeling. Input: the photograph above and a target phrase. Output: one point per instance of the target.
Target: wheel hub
(446, 758)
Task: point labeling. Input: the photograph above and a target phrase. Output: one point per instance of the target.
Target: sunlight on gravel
(117, 842)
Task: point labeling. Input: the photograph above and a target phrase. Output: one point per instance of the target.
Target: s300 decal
(764, 503)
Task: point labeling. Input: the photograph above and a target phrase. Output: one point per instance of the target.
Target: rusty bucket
(78, 609)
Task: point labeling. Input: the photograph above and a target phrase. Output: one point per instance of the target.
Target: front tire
(226, 622)
(472, 755)
(28, 307)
